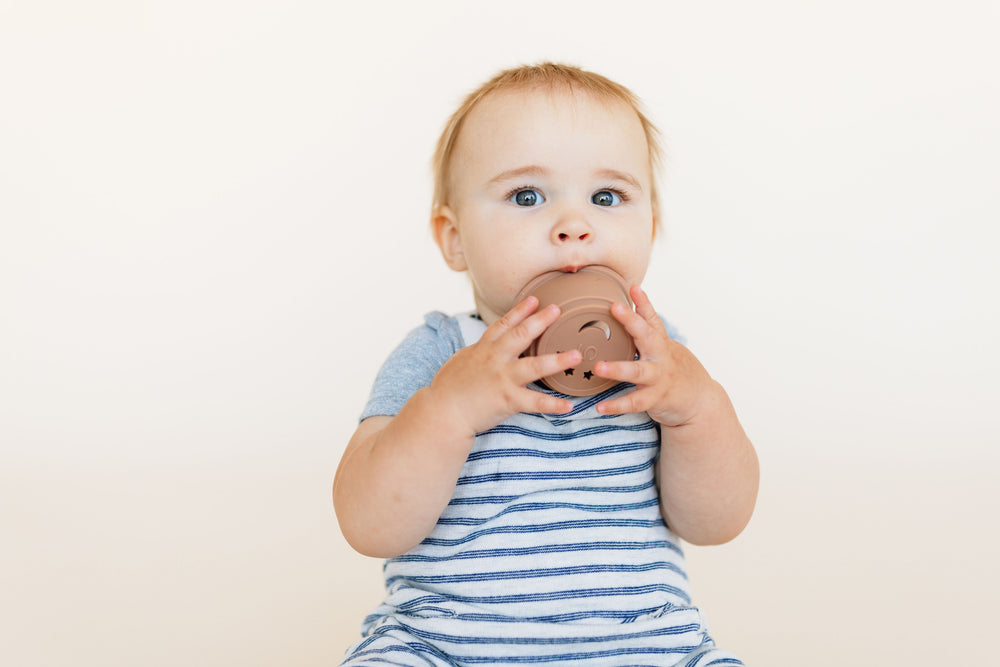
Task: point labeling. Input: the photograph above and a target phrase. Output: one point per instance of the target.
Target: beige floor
(118, 566)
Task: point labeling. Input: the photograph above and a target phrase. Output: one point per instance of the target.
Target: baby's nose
(571, 229)
(564, 236)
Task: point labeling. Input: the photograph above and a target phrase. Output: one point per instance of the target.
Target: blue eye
(527, 197)
(606, 198)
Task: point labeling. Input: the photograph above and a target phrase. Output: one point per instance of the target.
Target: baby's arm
(708, 468)
(398, 473)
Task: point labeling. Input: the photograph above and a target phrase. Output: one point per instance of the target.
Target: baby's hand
(483, 384)
(671, 382)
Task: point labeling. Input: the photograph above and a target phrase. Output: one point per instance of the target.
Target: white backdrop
(213, 228)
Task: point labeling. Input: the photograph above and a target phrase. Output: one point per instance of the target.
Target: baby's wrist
(449, 413)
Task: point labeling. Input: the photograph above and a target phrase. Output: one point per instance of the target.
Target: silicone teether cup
(585, 323)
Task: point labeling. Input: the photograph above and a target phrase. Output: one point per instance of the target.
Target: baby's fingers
(530, 369)
(516, 339)
(648, 334)
(637, 372)
(530, 401)
(514, 317)
(637, 401)
(644, 308)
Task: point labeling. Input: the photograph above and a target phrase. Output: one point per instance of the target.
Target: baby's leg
(393, 645)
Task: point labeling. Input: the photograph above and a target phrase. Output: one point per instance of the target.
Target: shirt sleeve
(673, 332)
(413, 364)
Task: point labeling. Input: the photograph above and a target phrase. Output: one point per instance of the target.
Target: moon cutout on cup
(600, 326)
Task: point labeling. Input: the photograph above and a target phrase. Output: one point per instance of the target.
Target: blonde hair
(549, 76)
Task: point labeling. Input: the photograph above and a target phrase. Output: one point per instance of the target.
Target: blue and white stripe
(553, 550)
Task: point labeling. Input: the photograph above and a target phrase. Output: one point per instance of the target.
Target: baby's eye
(527, 197)
(606, 198)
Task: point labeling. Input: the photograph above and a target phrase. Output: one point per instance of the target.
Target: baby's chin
(489, 313)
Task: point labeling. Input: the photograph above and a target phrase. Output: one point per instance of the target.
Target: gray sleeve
(673, 332)
(413, 364)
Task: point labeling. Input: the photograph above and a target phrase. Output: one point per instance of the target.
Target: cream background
(213, 230)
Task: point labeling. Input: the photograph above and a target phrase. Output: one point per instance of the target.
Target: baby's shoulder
(439, 330)
(413, 363)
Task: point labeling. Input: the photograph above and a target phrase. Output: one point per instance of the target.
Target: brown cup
(585, 323)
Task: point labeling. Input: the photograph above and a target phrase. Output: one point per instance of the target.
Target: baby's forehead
(555, 132)
(516, 108)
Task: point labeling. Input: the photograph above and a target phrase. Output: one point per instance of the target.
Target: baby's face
(547, 181)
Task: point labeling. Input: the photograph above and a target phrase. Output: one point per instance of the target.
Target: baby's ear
(656, 219)
(444, 224)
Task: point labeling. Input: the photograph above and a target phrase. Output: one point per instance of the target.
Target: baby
(521, 524)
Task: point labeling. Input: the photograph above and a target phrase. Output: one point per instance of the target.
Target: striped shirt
(553, 547)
